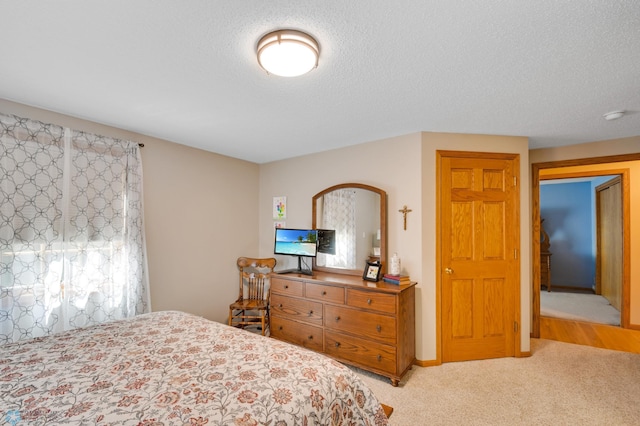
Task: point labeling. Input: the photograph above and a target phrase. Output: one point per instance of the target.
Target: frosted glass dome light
(288, 53)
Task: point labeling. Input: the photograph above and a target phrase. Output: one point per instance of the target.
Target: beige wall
(586, 150)
(394, 165)
(391, 164)
(404, 167)
(601, 149)
(200, 216)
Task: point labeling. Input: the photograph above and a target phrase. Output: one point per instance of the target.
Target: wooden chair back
(254, 274)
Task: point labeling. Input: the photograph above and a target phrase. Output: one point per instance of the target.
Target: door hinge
(515, 326)
(515, 181)
(515, 254)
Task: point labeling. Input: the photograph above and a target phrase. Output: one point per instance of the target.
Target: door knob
(448, 271)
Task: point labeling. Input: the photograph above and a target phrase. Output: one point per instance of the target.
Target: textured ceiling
(186, 71)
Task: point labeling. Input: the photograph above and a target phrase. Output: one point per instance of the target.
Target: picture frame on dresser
(372, 271)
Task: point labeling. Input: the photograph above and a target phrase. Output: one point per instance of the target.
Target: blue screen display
(296, 242)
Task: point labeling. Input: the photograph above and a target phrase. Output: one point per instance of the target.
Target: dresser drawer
(292, 288)
(294, 332)
(298, 309)
(326, 293)
(366, 324)
(361, 351)
(380, 302)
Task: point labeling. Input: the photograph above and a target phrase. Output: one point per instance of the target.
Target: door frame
(438, 261)
(535, 227)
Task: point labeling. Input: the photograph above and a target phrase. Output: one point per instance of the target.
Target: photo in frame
(372, 272)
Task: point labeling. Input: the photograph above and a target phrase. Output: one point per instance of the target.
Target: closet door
(480, 280)
(609, 262)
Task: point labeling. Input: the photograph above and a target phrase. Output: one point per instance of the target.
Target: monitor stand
(299, 270)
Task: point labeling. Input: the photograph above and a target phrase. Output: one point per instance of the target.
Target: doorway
(581, 219)
(602, 166)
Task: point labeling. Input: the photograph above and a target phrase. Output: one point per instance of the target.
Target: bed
(173, 368)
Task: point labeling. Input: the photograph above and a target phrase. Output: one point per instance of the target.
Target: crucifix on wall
(404, 212)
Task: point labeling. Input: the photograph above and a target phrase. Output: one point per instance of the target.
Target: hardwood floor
(590, 334)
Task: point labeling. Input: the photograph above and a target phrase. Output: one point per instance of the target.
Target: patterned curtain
(339, 213)
(72, 250)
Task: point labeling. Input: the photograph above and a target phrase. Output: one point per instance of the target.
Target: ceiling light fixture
(613, 115)
(288, 53)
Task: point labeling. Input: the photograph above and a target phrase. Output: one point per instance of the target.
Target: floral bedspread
(172, 368)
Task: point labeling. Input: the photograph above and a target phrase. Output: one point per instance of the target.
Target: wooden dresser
(366, 324)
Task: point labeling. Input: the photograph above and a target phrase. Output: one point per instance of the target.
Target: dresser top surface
(345, 280)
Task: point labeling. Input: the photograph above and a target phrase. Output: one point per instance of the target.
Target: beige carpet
(560, 384)
(579, 307)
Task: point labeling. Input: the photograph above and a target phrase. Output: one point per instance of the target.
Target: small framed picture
(371, 271)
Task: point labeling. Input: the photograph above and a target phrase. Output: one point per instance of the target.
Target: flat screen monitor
(327, 241)
(296, 242)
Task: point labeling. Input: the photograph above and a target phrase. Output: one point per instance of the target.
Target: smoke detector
(613, 115)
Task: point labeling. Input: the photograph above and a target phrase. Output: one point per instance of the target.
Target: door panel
(461, 309)
(479, 242)
(493, 307)
(493, 216)
(462, 231)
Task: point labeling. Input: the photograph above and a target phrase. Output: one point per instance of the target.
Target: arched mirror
(352, 218)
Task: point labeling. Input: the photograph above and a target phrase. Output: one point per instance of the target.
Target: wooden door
(609, 232)
(480, 239)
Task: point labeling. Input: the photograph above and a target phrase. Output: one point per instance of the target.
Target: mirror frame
(383, 226)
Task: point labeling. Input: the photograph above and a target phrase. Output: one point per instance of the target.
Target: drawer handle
(324, 293)
(337, 344)
(338, 318)
(286, 287)
(310, 313)
(280, 328)
(280, 305)
(379, 357)
(379, 328)
(311, 337)
(368, 301)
